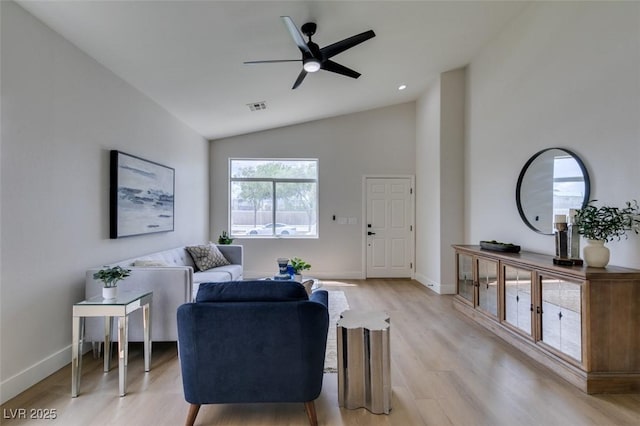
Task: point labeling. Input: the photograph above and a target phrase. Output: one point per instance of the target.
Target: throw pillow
(207, 256)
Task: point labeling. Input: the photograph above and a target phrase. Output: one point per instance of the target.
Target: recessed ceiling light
(402, 87)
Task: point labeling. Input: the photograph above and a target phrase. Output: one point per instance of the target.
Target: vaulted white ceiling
(188, 55)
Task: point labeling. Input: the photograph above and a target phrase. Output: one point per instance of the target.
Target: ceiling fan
(315, 58)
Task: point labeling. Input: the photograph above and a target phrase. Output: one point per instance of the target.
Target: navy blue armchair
(253, 341)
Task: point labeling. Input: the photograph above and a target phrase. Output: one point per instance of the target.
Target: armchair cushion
(251, 291)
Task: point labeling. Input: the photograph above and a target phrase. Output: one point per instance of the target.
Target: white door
(389, 227)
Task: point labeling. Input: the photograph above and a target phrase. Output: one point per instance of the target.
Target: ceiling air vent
(257, 106)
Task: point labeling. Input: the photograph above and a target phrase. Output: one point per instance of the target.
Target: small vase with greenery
(225, 238)
(603, 224)
(299, 265)
(110, 278)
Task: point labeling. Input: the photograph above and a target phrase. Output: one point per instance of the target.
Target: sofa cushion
(207, 256)
(141, 263)
(251, 291)
(172, 257)
(219, 274)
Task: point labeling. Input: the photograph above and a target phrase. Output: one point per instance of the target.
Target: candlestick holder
(573, 242)
(561, 234)
(564, 240)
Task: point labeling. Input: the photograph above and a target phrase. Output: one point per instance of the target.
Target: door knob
(371, 233)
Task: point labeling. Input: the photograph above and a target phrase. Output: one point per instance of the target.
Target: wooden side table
(364, 362)
(120, 307)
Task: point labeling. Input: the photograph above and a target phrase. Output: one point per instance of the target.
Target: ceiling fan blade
(347, 43)
(301, 77)
(296, 34)
(339, 69)
(272, 61)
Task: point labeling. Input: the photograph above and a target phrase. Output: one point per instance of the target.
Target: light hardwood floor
(446, 370)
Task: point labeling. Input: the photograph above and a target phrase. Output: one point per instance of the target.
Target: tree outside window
(273, 197)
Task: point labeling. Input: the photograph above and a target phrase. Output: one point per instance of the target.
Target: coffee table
(314, 286)
(120, 307)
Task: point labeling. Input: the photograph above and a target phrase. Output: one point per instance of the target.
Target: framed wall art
(142, 196)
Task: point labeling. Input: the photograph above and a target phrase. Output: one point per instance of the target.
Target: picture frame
(141, 196)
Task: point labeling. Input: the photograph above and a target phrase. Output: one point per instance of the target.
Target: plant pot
(596, 254)
(297, 277)
(109, 292)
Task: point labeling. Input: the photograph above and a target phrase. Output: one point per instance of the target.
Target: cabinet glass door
(562, 315)
(488, 286)
(517, 298)
(465, 277)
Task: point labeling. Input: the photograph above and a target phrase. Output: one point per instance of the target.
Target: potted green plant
(298, 266)
(603, 224)
(225, 238)
(110, 278)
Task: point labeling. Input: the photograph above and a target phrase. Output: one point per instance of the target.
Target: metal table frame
(120, 307)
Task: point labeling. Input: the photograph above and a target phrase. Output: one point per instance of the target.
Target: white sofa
(173, 284)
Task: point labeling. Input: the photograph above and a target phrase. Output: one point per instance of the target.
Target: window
(273, 198)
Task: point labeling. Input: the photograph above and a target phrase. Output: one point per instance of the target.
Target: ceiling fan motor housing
(309, 29)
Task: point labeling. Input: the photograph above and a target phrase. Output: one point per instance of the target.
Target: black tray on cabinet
(498, 246)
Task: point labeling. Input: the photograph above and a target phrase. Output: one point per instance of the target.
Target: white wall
(440, 117)
(563, 74)
(428, 186)
(376, 142)
(452, 134)
(61, 114)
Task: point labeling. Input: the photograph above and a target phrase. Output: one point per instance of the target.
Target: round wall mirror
(553, 181)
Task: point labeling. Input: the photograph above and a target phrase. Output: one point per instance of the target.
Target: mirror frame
(583, 169)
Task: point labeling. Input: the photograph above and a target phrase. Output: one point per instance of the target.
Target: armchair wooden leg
(193, 413)
(310, 408)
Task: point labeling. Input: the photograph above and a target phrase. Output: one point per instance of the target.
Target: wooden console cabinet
(582, 323)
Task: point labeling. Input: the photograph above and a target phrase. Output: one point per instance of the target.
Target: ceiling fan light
(311, 65)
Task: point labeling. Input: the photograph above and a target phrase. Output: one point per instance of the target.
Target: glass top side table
(120, 307)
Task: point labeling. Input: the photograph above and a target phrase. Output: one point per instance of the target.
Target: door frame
(412, 219)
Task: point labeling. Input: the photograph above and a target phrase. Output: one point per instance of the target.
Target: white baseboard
(447, 289)
(28, 377)
(435, 286)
